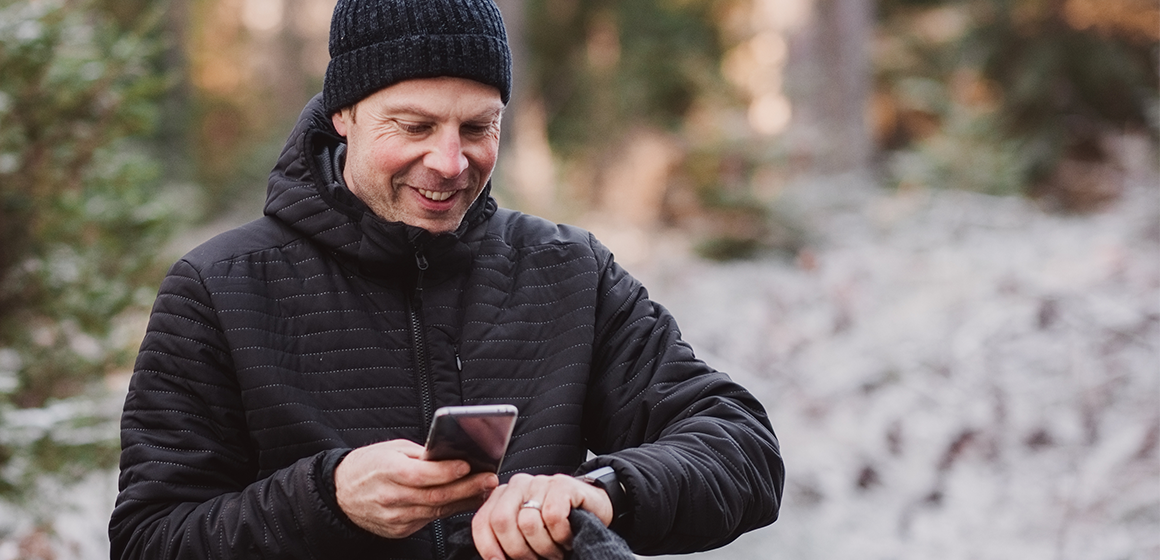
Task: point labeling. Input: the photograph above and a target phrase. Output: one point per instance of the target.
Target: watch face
(592, 476)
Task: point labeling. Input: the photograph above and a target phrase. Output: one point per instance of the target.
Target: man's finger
(557, 505)
(496, 525)
(503, 521)
(400, 462)
(536, 534)
(481, 532)
(475, 487)
(418, 473)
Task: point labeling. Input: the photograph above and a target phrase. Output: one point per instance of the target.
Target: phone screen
(476, 434)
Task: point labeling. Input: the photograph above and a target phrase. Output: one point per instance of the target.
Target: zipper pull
(458, 362)
(421, 262)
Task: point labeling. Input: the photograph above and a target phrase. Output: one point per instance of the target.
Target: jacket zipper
(420, 342)
(426, 398)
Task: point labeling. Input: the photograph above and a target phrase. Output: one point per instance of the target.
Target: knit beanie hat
(377, 43)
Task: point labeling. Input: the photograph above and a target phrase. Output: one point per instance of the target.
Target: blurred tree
(252, 65)
(1017, 95)
(604, 66)
(630, 90)
(830, 77)
(525, 176)
(81, 221)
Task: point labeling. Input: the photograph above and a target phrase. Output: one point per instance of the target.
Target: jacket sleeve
(188, 483)
(694, 450)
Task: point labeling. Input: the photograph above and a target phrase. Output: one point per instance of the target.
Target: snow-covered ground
(951, 375)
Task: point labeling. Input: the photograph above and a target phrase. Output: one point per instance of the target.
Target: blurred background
(926, 233)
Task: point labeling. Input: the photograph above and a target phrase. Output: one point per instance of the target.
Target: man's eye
(477, 129)
(413, 128)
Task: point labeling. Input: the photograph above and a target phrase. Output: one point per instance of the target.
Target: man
(292, 365)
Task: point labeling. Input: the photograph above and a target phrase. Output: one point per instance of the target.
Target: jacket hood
(307, 194)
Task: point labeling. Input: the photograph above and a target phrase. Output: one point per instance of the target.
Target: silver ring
(532, 504)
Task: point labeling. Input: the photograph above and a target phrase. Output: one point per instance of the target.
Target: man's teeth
(437, 196)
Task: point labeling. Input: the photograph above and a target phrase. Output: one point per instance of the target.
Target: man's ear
(339, 120)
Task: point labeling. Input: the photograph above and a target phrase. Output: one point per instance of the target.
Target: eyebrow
(486, 115)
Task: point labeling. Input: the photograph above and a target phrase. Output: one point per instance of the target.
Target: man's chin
(436, 226)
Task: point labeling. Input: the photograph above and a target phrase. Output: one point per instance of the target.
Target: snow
(951, 376)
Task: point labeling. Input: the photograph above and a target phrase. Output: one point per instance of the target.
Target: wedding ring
(532, 504)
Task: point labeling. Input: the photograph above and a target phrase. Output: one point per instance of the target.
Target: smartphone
(477, 434)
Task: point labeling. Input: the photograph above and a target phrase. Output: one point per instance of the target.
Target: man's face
(421, 151)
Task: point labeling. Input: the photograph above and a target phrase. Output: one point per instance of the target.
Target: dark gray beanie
(377, 43)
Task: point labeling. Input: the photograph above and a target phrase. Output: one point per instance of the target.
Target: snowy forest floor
(951, 376)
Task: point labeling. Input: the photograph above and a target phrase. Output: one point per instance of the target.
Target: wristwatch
(605, 478)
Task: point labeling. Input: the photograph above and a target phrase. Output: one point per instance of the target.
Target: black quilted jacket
(275, 348)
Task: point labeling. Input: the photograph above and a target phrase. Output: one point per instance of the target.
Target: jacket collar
(305, 191)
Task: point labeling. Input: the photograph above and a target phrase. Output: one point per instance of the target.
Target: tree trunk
(829, 78)
(527, 171)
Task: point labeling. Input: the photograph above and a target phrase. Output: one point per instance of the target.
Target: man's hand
(389, 490)
(503, 526)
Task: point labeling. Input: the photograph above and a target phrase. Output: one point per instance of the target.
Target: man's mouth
(437, 196)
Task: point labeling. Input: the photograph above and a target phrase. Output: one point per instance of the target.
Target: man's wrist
(327, 483)
(605, 478)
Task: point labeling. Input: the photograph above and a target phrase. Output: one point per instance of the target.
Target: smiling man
(292, 366)
(421, 151)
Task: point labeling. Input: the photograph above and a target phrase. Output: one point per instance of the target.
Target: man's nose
(446, 156)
